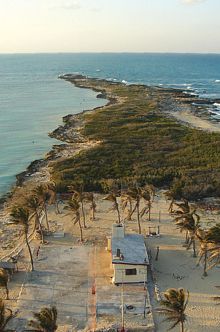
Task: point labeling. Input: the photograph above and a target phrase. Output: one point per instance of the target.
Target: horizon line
(108, 52)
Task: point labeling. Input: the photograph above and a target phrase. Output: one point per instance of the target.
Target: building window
(130, 272)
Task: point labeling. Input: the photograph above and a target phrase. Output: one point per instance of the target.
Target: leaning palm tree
(5, 316)
(44, 321)
(80, 196)
(174, 307)
(53, 191)
(32, 202)
(42, 194)
(135, 194)
(148, 198)
(209, 247)
(20, 216)
(169, 195)
(213, 238)
(184, 207)
(4, 278)
(190, 223)
(74, 206)
(126, 204)
(89, 197)
(203, 253)
(112, 197)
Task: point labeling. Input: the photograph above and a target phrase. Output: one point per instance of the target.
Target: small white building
(129, 256)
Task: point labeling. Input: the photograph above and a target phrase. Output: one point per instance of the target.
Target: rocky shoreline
(169, 101)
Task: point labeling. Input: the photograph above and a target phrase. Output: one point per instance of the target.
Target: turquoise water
(33, 100)
(32, 103)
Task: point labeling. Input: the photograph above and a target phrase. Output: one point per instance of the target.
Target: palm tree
(148, 198)
(183, 206)
(213, 238)
(91, 199)
(174, 306)
(203, 253)
(170, 196)
(189, 222)
(44, 321)
(5, 316)
(53, 191)
(42, 194)
(74, 206)
(126, 204)
(80, 196)
(112, 197)
(135, 194)
(209, 247)
(4, 278)
(32, 202)
(20, 216)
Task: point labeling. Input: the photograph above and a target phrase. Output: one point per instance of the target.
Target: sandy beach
(174, 260)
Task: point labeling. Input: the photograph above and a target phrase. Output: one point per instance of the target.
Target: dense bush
(141, 142)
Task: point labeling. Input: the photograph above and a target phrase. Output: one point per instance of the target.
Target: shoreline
(187, 109)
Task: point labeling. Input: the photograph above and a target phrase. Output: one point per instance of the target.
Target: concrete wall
(121, 277)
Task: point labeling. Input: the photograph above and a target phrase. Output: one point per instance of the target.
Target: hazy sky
(109, 26)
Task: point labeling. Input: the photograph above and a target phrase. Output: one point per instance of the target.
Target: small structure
(129, 256)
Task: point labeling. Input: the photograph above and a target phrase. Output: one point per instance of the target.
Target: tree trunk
(149, 212)
(138, 218)
(129, 211)
(41, 231)
(194, 247)
(57, 206)
(181, 326)
(187, 237)
(93, 213)
(7, 292)
(205, 263)
(29, 250)
(83, 215)
(46, 216)
(80, 228)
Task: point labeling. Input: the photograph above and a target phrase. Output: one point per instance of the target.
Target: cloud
(191, 2)
(66, 4)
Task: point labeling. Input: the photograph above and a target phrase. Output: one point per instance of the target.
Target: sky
(35, 26)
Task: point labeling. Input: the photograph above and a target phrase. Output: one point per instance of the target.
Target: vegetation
(41, 192)
(174, 306)
(112, 197)
(5, 316)
(80, 197)
(20, 216)
(91, 199)
(74, 206)
(33, 204)
(45, 320)
(139, 142)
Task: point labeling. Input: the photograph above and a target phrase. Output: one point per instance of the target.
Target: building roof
(132, 249)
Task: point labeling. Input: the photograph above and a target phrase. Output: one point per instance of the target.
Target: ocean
(33, 100)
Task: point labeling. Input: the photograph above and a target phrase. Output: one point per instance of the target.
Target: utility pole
(122, 306)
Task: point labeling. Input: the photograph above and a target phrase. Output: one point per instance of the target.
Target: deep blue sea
(33, 99)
